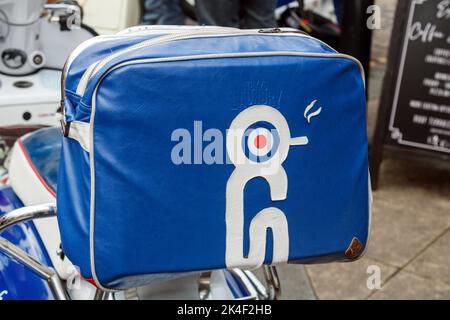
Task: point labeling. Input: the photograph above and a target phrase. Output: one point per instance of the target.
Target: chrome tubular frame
(246, 283)
(204, 285)
(272, 281)
(103, 295)
(26, 214)
(272, 290)
(252, 285)
(255, 289)
(263, 292)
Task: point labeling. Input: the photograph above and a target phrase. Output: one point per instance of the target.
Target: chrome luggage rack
(253, 287)
(22, 215)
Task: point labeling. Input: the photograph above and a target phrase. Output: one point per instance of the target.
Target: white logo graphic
(374, 20)
(374, 279)
(258, 143)
(3, 293)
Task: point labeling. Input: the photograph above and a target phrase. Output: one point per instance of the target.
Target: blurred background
(409, 251)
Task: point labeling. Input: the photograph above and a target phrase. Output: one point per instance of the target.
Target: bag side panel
(73, 203)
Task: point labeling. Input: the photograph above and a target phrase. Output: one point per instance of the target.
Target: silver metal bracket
(14, 252)
(254, 288)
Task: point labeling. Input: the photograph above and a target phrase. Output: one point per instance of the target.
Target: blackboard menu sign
(414, 115)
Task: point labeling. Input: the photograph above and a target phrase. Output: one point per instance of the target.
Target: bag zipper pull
(270, 30)
(279, 30)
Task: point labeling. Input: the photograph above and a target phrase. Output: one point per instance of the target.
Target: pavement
(410, 232)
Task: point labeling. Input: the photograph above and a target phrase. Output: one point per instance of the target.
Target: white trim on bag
(170, 37)
(79, 131)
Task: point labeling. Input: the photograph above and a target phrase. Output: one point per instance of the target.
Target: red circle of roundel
(260, 141)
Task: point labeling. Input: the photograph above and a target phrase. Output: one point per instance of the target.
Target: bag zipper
(86, 44)
(174, 34)
(213, 32)
(66, 129)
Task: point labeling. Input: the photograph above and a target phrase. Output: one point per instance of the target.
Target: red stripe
(90, 280)
(5, 180)
(36, 172)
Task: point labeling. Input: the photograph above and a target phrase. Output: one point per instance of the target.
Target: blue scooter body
(17, 282)
(283, 2)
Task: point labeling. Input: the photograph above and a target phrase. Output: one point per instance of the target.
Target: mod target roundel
(260, 141)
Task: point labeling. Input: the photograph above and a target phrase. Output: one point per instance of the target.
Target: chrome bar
(204, 285)
(103, 295)
(14, 252)
(57, 287)
(109, 296)
(73, 11)
(262, 290)
(246, 283)
(22, 257)
(99, 294)
(44, 272)
(273, 282)
(27, 213)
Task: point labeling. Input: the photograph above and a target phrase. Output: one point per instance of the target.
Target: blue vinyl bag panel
(233, 159)
(97, 50)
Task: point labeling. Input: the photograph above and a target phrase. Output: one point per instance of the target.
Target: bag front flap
(170, 192)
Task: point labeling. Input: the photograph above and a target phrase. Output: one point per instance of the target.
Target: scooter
(35, 40)
(33, 265)
(32, 262)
